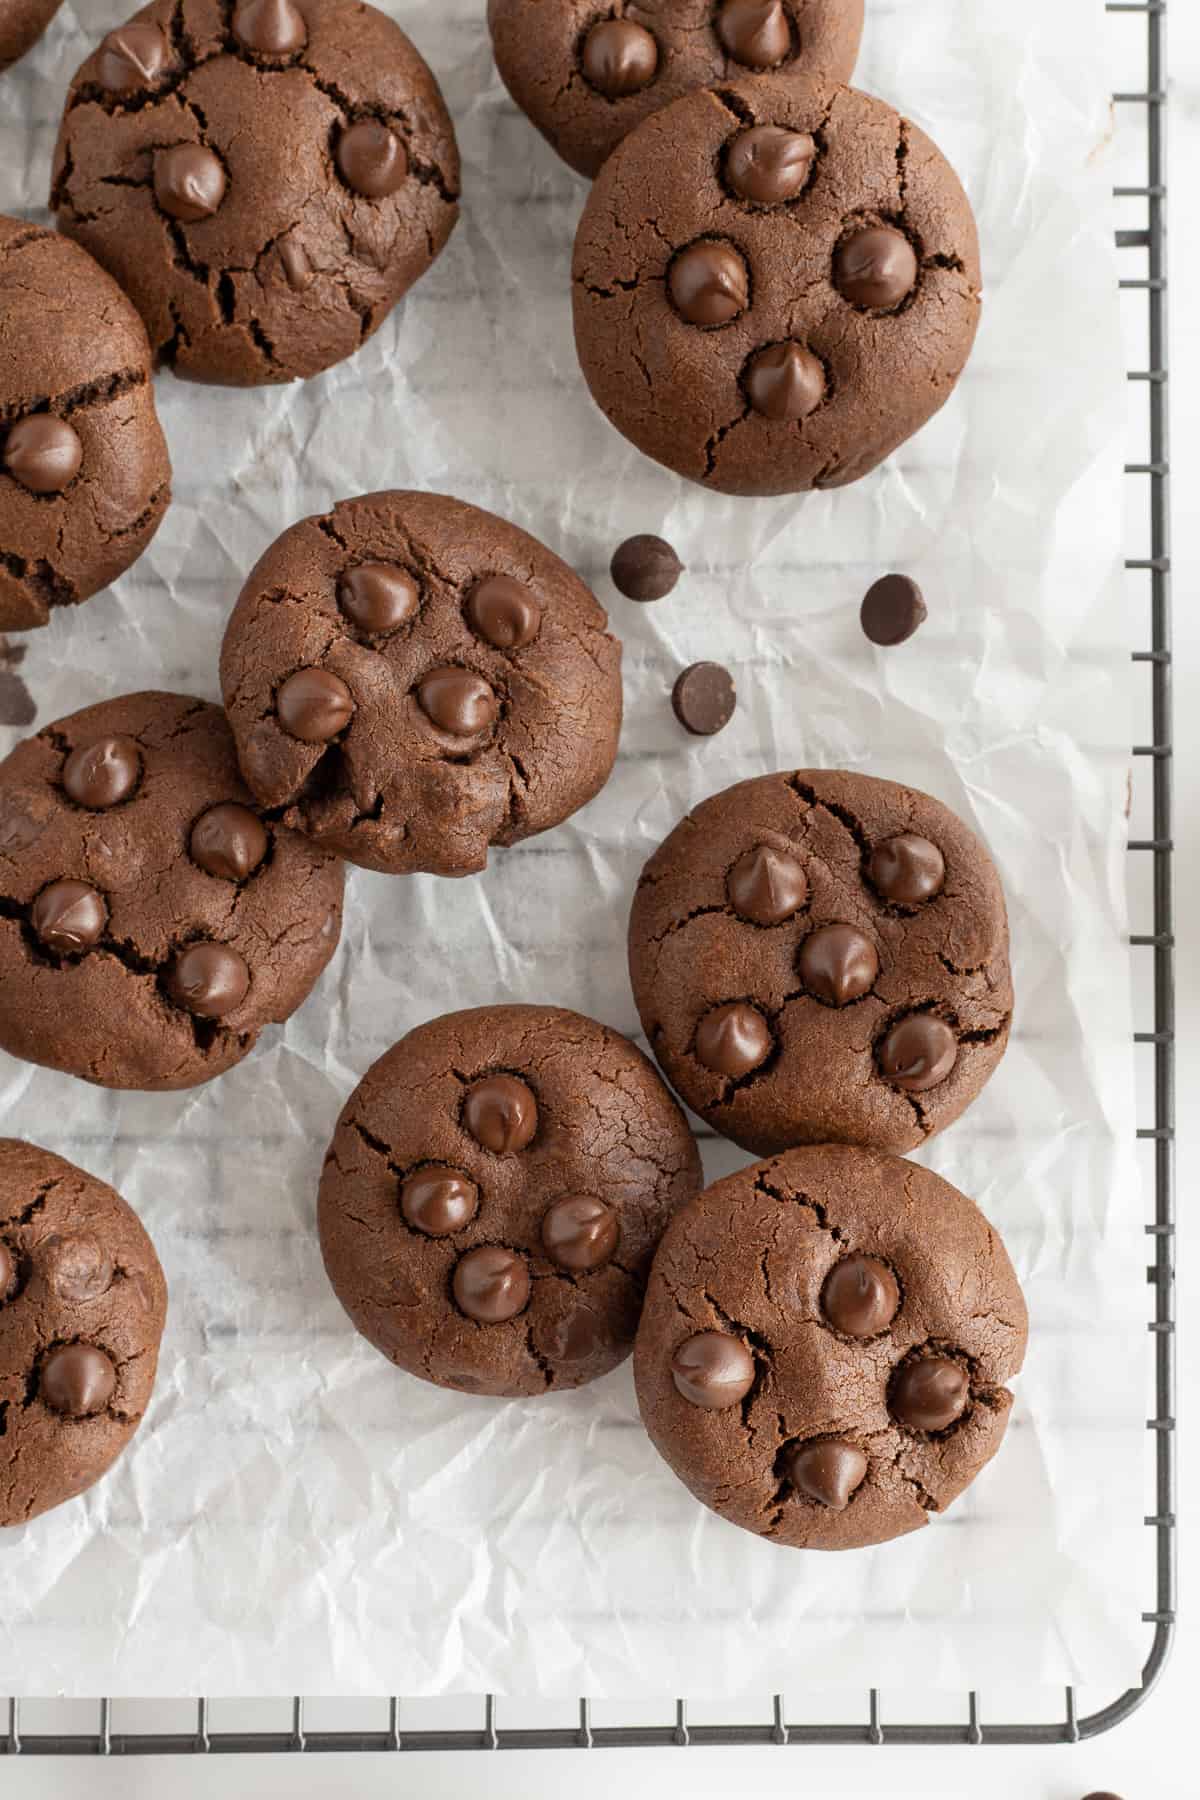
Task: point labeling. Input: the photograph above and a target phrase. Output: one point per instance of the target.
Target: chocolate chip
(893, 609)
(102, 774)
(501, 1113)
(209, 980)
(709, 283)
(43, 453)
(756, 33)
(838, 964)
(270, 27)
(296, 263)
(580, 1233)
(77, 1380)
(619, 58)
(458, 702)
(372, 160)
(907, 870)
(918, 1053)
(69, 917)
(439, 1201)
(734, 1039)
(784, 381)
(228, 841)
(713, 1370)
(828, 1472)
(929, 1393)
(189, 182)
(379, 597)
(8, 1273)
(861, 1296)
(131, 57)
(765, 886)
(314, 706)
(645, 568)
(503, 612)
(491, 1284)
(875, 268)
(768, 165)
(76, 1267)
(705, 699)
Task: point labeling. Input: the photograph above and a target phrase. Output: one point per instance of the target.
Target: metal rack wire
(1147, 240)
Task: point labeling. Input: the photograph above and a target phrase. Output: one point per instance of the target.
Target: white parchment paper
(297, 1516)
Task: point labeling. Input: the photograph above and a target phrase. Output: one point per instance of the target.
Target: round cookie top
(775, 285)
(265, 179)
(493, 1196)
(84, 473)
(22, 23)
(586, 74)
(822, 957)
(434, 682)
(824, 1347)
(151, 922)
(82, 1307)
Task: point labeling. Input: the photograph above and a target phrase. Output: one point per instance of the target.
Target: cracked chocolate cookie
(775, 286)
(265, 178)
(821, 957)
(825, 1344)
(82, 1308)
(494, 1193)
(152, 921)
(22, 23)
(413, 680)
(586, 72)
(84, 473)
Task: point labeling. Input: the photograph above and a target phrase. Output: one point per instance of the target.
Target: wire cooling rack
(397, 1725)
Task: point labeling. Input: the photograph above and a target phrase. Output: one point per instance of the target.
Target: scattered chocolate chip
(861, 1296)
(439, 1201)
(875, 268)
(69, 917)
(709, 283)
(733, 1040)
(765, 886)
(228, 841)
(756, 33)
(458, 702)
(929, 1393)
(705, 699)
(839, 964)
(270, 27)
(501, 1113)
(907, 870)
(580, 1233)
(189, 182)
(379, 597)
(314, 706)
(918, 1053)
(828, 1472)
(713, 1370)
(645, 568)
(8, 1273)
(503, 612)
(296, 263)
(491, 1284)
(77, 1380)
(372, 160)
(131, 57)
(893, 609)
(102, 774)
(768, 165)
(209, 980)
(620, 57)
(784, 382)
(43, 453)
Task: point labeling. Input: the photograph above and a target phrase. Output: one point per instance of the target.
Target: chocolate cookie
(823, 958)
(22, 23)
(775, 286)
(265, 179)
(82, 1307)
(414, 680)
(84, 473)
(824, 1347)
(494, 1193)
(587, 73)
(151, 922)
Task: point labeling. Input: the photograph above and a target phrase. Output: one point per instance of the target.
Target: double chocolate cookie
(265, 179)
(825, 1344)
(22, 23)
(775, 286)
(586, 73)
(493, 1196)
(821, 957)
(413, 680)
(151, 920)
(82, 1307)
(84, 473)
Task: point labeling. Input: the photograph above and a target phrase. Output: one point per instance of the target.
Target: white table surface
(1152, 1757)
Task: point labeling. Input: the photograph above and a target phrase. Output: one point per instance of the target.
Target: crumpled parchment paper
(296, 1515)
